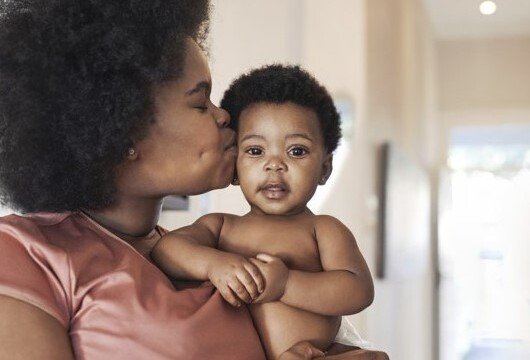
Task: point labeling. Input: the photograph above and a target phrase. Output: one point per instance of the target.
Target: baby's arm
(344, 286)
(186, 253)
(191, 253)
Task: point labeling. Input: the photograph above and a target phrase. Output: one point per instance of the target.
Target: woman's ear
(327, 168)
(132, 153)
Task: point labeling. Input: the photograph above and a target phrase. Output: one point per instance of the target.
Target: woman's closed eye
(201, 107)
(298, 151)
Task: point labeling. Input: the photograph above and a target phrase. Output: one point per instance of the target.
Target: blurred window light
(501, 149)
(488, 8)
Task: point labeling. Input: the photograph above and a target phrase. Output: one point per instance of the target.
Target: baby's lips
(276, 186)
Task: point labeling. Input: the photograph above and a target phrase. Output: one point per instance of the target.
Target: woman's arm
(27, 332)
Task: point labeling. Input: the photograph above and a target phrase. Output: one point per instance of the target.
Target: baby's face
(281, 157)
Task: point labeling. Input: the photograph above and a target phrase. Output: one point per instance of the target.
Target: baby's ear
(327, 168)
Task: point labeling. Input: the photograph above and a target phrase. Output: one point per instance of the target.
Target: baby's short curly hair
(278, 84)
(76, 80)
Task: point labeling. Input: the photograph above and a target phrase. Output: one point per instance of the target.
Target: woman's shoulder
(38, 230)
(53, 260)
(70, 232)
(32, 220)
(33, 267)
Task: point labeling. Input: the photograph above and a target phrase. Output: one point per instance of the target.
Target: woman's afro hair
(278, 84)
(76, 79)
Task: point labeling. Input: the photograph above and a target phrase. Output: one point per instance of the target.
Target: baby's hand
(236, 278)
(275, 273)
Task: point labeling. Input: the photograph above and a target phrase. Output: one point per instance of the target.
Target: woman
(105, 110)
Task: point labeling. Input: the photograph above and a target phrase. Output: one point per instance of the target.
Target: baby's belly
(281, 326)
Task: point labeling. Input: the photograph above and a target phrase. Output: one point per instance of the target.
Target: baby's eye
(297, 151)
(254, 151)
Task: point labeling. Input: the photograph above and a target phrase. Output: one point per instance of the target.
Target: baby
(299, 272)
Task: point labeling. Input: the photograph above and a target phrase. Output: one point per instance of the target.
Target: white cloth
(348, 335)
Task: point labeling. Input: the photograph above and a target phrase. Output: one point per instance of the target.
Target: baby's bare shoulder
(217, 217)
(326, 221)
(330, 226)
(222, 220)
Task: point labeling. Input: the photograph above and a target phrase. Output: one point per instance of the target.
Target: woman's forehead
(196, 69)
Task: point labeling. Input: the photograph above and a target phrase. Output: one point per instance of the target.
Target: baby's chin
(279, 210)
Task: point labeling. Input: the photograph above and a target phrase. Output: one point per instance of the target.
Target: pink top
(112, 301)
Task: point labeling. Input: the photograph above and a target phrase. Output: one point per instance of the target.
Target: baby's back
(281, 326)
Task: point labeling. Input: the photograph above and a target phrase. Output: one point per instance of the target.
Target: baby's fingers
(240, 291)
(248, 282)
(229, 296)
(257, 276)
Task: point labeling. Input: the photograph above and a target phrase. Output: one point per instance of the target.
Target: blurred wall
(401, 107)
(483, 82)
(484, 74)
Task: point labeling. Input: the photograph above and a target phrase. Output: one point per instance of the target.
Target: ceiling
(462, 19)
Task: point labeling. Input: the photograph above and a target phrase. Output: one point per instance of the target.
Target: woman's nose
(275, 164)
(222, 117)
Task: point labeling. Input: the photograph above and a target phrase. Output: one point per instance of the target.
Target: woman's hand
(275, 273)
(303, 350)
(237, 279)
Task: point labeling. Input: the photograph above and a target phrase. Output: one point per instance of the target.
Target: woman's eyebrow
(200, 86)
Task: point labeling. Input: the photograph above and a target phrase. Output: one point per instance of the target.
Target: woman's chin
(220, 184)
(224, 184)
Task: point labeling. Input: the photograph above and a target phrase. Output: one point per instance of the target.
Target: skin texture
(311, 268)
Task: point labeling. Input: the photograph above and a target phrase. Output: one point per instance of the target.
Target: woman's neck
(129, 219)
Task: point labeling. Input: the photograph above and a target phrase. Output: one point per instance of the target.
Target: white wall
(484, 74)
(401, 108)
(483, 82)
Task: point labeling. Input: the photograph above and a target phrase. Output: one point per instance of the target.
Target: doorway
(484, 244)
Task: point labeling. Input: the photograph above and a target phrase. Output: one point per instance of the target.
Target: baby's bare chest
(293, 241)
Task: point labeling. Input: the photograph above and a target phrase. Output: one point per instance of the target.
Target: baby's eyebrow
(302, 135)
(252, 136)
